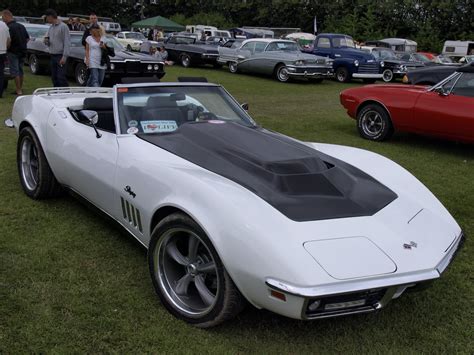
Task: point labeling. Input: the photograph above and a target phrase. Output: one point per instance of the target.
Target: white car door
(82, 161)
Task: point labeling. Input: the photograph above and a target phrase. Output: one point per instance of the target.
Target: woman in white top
(94, 45)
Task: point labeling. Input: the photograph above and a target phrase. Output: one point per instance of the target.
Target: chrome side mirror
(93, 118)
(245, 106)
(9, 123)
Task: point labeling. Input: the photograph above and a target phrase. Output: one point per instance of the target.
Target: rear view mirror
(245, 106)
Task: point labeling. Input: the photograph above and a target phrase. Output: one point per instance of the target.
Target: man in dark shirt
(17, 51)
(87, 33)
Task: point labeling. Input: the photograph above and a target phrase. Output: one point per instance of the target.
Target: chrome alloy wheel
(233, 67)
(372, 123)
(34, 66)
(187, 272)
(29, 164)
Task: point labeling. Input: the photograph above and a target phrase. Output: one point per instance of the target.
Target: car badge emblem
(410, 245)
(130, 192)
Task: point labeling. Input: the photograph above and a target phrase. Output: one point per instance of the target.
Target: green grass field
(71, 282)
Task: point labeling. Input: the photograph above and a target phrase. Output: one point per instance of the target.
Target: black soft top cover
(300, 182)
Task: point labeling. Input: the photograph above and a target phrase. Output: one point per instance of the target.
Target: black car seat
(104, 108)
(163, 108)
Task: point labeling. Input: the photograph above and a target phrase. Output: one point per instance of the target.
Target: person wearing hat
(95, 43)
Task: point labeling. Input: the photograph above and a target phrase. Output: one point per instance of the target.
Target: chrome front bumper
(341, 298)
(310, 71)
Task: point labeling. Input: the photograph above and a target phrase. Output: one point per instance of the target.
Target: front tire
(189, 276)
(374, 123)
(36, 177)
(282, 74)
(387, 75)
(81, 74)
(342, 75)
(233, 67)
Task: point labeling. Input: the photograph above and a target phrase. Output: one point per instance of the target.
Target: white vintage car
(230, 211)
(132, 41)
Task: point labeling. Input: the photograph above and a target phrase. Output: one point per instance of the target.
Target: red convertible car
(444, 110)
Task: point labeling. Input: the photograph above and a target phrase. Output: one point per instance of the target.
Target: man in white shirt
(4, 44)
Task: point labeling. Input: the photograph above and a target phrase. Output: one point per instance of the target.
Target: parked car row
(124, 63)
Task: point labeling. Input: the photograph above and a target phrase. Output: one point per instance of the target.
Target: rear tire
(36, 177)
(185, 60)
(81, 74)
(374, 123)
(342, 75)
(189, 276)
(34, 64)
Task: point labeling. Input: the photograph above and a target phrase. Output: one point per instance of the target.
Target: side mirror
(442, 91)
(93, 118)
(245, 106)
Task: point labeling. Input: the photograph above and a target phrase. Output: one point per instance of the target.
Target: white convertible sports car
(230, 211)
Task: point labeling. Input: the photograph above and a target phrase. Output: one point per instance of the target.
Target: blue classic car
(280, 58)
(349, 62)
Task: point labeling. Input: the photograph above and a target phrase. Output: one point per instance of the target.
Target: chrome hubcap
(29, 164)
(81, 76)
(233, 67)
(283, 74)
(387, 75)
(185, 61)
(33, 65)
(341, 76)
(372, 123)
(187, 272)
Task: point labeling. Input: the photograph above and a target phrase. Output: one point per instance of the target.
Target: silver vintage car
(280, 58)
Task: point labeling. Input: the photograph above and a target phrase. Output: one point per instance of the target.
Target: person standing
(95, 43)
(59, 42)
(4, 44)
(92, 21)
(17, 51)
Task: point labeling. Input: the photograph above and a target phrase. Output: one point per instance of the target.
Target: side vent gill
(131, 214)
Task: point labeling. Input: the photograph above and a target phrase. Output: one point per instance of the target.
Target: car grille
(369, 68)
(357, 302)
(133, 67)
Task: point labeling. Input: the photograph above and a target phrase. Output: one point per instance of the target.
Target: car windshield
(338, 42)
(162, 109)
(384, 54)
(421, 58)
(282, 46)
(135, 35)
(36, 32)
(183, 40)
(112, 42)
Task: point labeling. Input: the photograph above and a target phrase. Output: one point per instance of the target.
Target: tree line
(429, 22)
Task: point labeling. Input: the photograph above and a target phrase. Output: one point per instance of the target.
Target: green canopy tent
(158, 21)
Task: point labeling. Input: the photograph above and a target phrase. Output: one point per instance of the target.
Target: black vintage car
(187, 51)
(429, 75)
(123, 64)
(393, 67)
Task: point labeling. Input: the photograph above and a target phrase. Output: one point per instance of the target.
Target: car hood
(300, 182)
(122, 55)
(395, 87)
(356, 54)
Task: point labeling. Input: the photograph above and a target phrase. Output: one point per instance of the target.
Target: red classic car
(445, 110)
